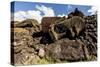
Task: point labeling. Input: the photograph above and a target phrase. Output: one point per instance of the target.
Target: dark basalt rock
(32, 48)
(69, 50)
(76, 12)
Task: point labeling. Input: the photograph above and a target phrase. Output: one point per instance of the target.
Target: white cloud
(19, 16)
(31, 14)
(34, 14)
(69, 7)
(47, 11)
(92, 10)
(62, 15)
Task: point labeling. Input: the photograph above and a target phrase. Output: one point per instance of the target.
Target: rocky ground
(27, 49)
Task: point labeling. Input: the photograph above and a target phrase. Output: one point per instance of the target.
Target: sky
(35, 10)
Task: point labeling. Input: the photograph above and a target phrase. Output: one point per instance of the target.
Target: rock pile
(90, 34)
(27, 48)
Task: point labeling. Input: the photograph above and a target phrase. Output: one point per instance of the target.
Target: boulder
(41, 52)
(69, 27)
(69, 50)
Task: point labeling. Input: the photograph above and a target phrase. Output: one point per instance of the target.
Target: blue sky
(58, 8)
(23, 9)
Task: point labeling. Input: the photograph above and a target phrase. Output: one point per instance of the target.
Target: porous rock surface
(27, 48)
